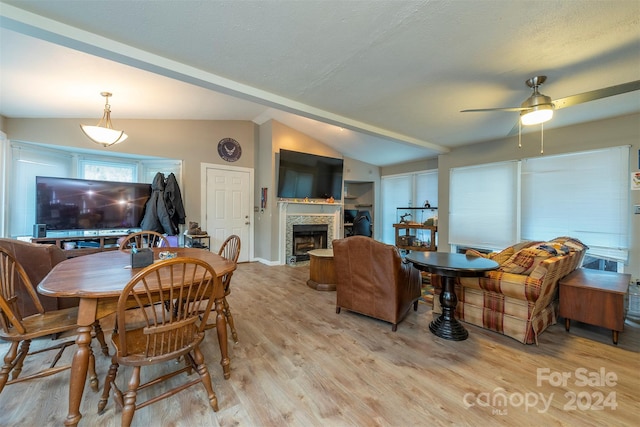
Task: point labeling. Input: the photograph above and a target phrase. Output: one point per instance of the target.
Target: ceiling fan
(539, 108)
(538, 102)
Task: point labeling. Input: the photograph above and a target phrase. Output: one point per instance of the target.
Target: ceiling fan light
(103, 133)
(537, 115)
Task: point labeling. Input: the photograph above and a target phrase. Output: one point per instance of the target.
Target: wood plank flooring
(298, 363)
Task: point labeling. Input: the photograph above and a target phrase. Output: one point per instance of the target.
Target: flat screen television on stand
(81, 207)
(303, 175)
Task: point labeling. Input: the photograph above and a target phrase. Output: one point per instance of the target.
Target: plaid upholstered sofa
(519, 299)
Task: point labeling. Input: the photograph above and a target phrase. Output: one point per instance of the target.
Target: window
(583, 195)
(26, 161)
(483, 205)
(151, 167)
(405, 190)
(29, 162)
(108, 170)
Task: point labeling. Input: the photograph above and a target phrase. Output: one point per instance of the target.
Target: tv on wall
(65, 204)
(303, 175)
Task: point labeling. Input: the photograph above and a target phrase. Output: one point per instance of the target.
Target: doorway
(227, 194)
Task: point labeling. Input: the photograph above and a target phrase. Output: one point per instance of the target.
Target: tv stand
(74, 246)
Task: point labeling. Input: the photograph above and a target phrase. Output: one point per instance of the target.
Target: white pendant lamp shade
(103, 133)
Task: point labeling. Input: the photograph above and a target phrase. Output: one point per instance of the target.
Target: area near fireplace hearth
(316, 226)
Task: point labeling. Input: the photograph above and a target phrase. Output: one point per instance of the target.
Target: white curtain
(27, 164)
(396, 191)
(483, 205)
(583, 195)
(405, 190)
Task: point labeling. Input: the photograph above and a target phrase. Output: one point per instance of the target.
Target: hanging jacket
(173, 200)
(156, 216)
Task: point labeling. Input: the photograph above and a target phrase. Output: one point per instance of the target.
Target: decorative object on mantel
(103, 133)
(229, 149)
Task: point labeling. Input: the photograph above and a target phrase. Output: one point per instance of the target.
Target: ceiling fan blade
(493, 109)
(596, 94)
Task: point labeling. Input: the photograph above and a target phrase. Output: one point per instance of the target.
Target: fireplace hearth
(307, 237)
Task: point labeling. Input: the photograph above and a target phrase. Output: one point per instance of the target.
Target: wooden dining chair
(144, 239)
(230, 250)
(20, 331)
(146, 333)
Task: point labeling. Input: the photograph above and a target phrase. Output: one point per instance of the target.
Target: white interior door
(227, 199)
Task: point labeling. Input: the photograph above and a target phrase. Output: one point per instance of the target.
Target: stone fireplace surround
(291, 213)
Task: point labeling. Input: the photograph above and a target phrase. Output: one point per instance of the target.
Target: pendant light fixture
(103, 133)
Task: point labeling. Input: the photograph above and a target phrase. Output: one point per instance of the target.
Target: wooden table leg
(446, 325)
(79, 367)
(567, 324)
(615, 337)
(221, 329)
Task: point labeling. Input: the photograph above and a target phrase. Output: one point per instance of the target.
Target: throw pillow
(526, 260)
(571, 242)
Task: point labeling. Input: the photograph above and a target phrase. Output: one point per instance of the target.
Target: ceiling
(380, 81)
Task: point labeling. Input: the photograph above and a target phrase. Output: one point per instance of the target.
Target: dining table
(98, 280)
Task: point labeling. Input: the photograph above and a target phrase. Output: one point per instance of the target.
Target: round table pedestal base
(448, 329)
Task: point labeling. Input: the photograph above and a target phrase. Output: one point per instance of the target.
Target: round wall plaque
(229, 149)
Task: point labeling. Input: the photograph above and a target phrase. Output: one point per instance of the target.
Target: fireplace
(307, 237)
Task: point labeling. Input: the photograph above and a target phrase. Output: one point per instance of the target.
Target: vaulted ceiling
(380, 81)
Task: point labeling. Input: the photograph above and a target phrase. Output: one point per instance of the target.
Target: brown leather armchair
(38, 260)
(373, 279)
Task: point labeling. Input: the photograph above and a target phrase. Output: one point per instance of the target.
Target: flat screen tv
(303, 175)
(81, 204)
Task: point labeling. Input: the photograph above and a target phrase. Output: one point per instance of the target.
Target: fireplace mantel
(290, 213)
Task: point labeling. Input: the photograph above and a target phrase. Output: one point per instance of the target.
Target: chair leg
(227, 314)
(111, 377)
(100, 337)
(91, 369)
(129, 407)
(205, 378)
(19, 361)
(8, 364)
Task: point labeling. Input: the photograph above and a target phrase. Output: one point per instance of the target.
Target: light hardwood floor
(298, 363)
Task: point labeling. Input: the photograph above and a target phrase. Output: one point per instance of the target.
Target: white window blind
(396, 192)
(483, 205)
(583, 195)
(167, 167)
(426, 188)
(27, 164)
(104, 170)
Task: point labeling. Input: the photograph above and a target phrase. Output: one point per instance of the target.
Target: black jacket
(156, 215)
(173, 201)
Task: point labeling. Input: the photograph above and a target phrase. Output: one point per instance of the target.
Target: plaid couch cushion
(526, 260)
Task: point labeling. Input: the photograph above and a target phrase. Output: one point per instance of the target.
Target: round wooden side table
(322, 276)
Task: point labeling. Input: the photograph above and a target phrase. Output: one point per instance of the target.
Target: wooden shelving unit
(408, 240)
